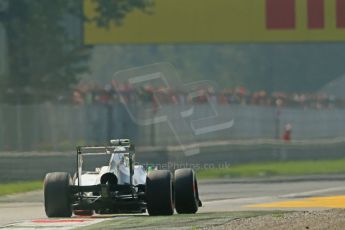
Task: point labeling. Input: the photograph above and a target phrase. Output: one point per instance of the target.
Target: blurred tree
(45, 51)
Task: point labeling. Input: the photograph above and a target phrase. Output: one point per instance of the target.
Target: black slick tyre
(57, 194)
(186, 191)
(159, 193)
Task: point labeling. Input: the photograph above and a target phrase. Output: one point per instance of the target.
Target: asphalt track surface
(27, 209)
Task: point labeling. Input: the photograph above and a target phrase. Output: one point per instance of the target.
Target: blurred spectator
(287, 132)
(91, 93)
(78, 98)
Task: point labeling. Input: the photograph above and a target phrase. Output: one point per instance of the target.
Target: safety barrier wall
(22, 166)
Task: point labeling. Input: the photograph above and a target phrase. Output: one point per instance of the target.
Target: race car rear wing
(117, 146)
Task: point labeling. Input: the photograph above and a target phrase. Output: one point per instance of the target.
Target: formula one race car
(119, 187)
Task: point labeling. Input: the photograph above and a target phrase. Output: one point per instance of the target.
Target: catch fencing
(50, 127)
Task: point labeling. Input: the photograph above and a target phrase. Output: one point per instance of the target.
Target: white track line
(313, 192)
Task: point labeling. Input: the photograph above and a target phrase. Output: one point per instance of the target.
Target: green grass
(287, 168)
(18, 187)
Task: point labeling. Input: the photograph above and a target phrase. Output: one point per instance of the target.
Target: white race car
(119, 187)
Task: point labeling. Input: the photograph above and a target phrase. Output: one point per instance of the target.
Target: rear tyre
(57, 201)
(186, 191)
(159, 193)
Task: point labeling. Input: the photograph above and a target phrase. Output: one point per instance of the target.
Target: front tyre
(186, 191)
(57, 194)
(159, 193)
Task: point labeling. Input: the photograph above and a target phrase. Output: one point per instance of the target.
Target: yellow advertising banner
(224, 21)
